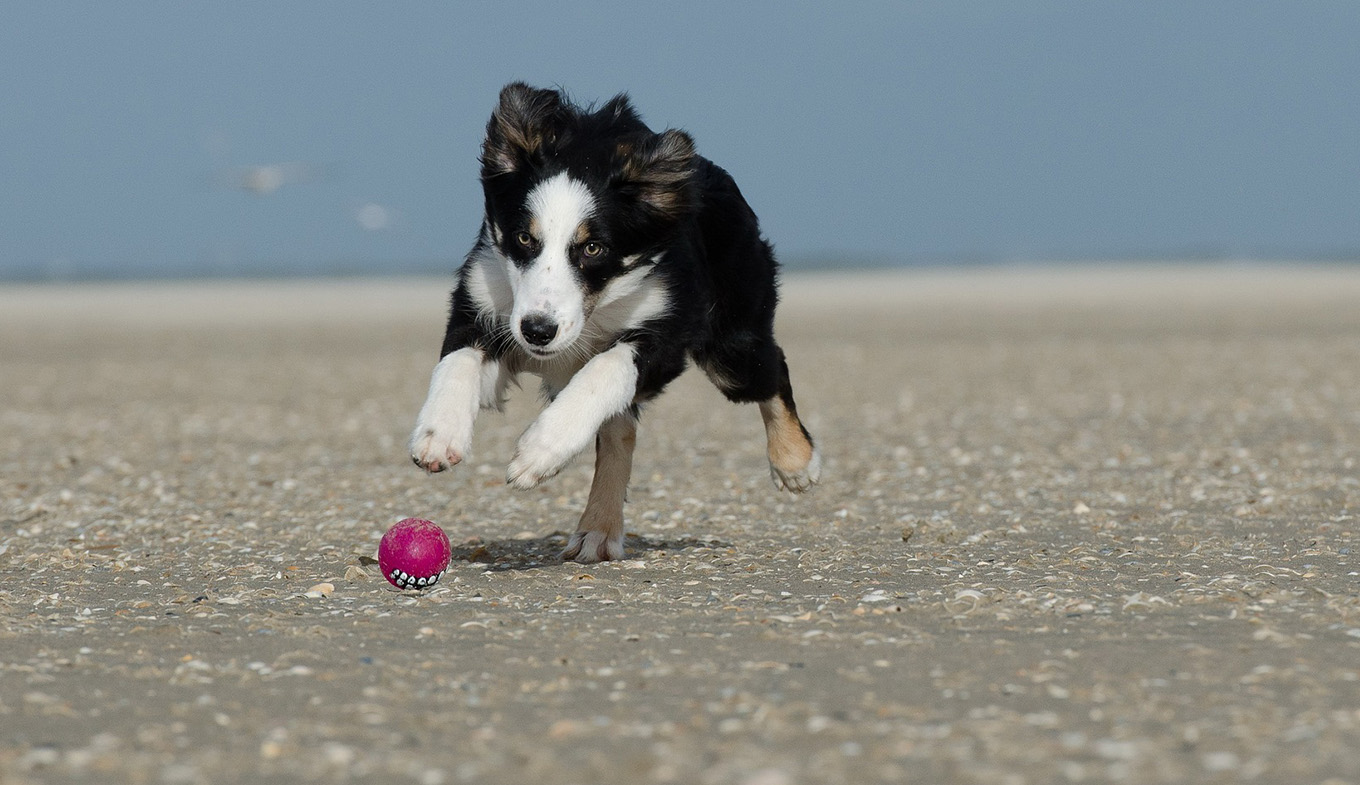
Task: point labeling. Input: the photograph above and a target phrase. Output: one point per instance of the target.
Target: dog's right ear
(525, 121)
(659, 171)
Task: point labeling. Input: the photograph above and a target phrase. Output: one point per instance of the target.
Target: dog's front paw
(593, 546)
(435, 448)
(543, 451)
(798, 479)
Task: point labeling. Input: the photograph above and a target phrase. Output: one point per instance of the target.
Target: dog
(609, 256)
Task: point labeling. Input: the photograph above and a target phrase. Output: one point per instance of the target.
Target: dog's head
(579, 204)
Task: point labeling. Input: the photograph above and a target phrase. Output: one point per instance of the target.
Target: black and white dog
(608, 255)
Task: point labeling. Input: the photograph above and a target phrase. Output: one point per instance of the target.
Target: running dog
(608, 257)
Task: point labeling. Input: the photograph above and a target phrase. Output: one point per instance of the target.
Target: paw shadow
(540, 552)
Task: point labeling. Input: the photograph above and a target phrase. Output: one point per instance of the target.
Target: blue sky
(863, 132)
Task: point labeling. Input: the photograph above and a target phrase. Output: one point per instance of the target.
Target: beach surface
(1076, 524)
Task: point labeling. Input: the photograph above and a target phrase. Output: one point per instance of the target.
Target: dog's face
(579, 205)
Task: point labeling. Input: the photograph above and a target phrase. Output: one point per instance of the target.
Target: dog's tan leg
(795, 464)
(599, 537)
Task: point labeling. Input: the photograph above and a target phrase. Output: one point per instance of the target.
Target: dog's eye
(592, 250)
(524, 239)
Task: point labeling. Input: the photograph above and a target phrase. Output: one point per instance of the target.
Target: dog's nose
(538, 329)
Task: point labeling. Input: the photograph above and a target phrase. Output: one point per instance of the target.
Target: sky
(861, 132)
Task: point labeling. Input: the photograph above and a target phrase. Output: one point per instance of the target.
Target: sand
(1076, 524)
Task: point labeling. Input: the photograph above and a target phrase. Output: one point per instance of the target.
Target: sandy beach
(1076, 524)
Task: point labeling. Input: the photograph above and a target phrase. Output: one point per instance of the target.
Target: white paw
(536, 459)
(542, 452)
(800, 480)
(439, 446)
(444, 426)
(590, 547)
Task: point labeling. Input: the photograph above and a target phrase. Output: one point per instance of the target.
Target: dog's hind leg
(599, 537)
(750, 368)
(795, 463)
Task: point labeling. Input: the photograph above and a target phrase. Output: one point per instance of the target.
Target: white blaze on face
(547, 287)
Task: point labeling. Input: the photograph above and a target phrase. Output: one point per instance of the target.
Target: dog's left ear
(525, 122)
(659, 171)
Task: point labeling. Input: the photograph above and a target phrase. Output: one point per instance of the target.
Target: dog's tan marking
(582, 234)
(789, 450)
(794, 464)
(599, 536)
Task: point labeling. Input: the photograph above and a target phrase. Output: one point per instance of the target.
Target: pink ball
(414, 553)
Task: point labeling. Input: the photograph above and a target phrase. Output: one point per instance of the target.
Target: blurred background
(172, 139)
